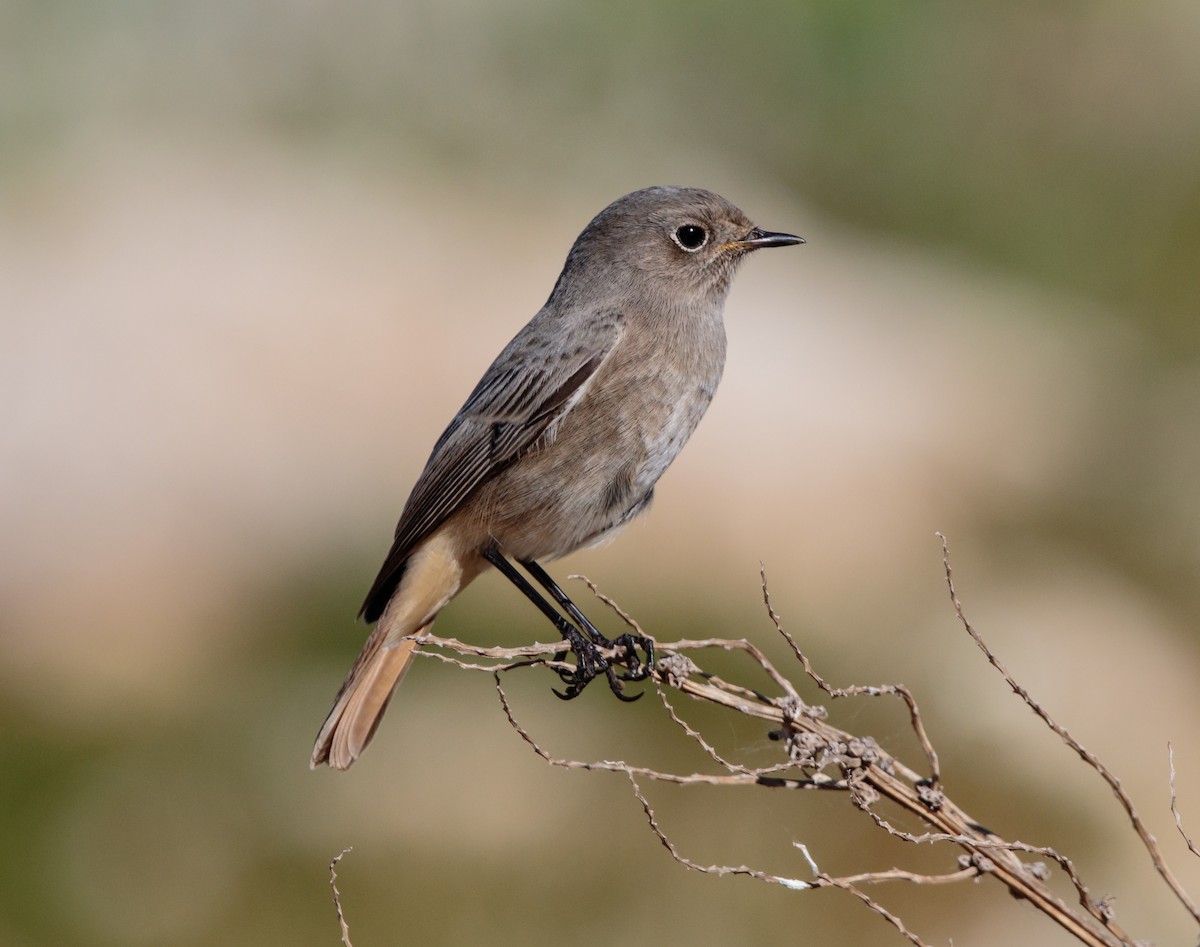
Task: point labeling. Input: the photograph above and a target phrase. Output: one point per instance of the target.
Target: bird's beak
(757, 238)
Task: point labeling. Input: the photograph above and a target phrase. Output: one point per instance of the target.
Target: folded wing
(533, 383)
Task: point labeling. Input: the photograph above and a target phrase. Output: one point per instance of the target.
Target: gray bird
(564, 437)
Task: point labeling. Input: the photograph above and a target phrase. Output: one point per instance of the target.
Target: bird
(563, 439)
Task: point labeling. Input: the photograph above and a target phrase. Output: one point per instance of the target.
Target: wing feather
(530, 385)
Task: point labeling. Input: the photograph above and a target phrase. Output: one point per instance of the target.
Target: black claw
(634, 674)
(590, 663)
(637, 670)
(614, 684)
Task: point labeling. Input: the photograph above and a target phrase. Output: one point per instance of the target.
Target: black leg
(545, 581)
(496, 558)
(585, 643)
(568, 631)
(637, 671)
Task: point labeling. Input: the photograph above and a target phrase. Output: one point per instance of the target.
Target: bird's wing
(532, 384)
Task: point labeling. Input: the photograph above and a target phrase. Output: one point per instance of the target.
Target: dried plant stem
(821, 756)
(1175, 804)
(1148, 840)
(337, 898)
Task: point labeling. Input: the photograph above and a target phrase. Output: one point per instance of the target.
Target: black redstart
(564, 437)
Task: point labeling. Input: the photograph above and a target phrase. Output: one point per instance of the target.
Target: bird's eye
(690, 237)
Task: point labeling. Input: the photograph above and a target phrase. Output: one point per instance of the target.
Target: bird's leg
(636, 669)
(589, 661)
(544, 579)
(584, 650)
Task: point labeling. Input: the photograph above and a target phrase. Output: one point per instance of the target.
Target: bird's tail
(364, 697)
(434, 574)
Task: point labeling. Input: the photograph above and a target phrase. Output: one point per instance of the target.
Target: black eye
(690, 237)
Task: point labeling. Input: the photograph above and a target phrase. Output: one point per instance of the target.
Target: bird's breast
(656, 392)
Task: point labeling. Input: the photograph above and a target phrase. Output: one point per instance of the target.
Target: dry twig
(1148, 840)
(337, 898)
(820, 756)
(1174, 803)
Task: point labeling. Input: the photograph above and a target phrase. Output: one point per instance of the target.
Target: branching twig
(858, 690)
(819, 755)
(984, 863)
(718, 870)
(846, 884)
(613, 766)
(1148, 840)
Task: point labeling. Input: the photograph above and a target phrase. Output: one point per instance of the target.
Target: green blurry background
(254, 254)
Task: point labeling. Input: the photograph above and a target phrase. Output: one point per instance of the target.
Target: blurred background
(254, 254)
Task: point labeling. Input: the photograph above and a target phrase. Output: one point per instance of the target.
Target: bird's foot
(594, 654)
(591, 661)
(626, 647)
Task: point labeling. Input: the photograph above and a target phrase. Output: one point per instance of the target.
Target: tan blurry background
(253, 255)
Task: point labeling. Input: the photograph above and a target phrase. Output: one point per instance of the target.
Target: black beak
(758, 238)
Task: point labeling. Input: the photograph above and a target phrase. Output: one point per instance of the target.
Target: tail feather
(433, 574)
(362, 700)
